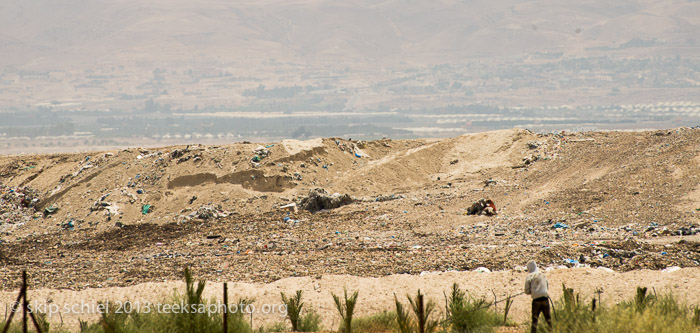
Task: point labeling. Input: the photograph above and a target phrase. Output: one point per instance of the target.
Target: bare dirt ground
(624, 200)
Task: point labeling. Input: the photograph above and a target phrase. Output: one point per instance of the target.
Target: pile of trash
(320, 199)
(110, 209)
(482, 207)
(205, 212)
(17, 204)
(260, 153)
(351, 148)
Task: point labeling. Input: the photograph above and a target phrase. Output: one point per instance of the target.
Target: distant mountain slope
(48, 34)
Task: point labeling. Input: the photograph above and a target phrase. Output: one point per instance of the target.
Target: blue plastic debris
(571, 261)
(664, 253)
(286, 218)
(139, 191)
(605, 255)
(358, 155)
(560, 225)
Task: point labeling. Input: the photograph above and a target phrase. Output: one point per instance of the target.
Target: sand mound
(294, 147)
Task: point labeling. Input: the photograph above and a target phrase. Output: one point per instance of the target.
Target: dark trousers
(540, 305)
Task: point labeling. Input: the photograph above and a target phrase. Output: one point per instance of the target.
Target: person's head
(531, 266)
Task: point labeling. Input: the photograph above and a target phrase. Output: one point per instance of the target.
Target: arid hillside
(604, 201)
(616, 178)
(616, 199)
(44, 34)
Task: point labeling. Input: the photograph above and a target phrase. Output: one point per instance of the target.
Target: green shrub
(644, 313)
(294, 307)
(571, 315)
(466, 314)
(16, 325)
(377, 323)
(422, 311)
(113, 321)
(310, 322)
(273, 328)
(346, 309)
(403, 319)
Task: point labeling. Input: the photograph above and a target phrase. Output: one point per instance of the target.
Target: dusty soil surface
(621, 200)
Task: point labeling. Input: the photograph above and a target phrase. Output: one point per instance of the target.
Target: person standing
(537, 286)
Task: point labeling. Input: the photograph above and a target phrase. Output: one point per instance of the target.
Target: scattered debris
(383, 198)
(205, 212)
(292, 207)
(319, 199)
(260, 153)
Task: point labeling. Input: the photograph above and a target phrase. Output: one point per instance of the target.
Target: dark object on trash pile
(482, 207)
(194, 197)
(319, 199)
(177, 153)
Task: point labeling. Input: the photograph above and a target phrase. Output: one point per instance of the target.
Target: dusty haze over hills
(47, 34)
(122, 73)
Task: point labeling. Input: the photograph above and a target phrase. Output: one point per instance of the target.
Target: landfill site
(598, 211)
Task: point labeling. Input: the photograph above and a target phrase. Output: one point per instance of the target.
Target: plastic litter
(671, 269)
(292, 207)
(482, 270)
(560, 225)
(145, 209)
(605, 269)
(50, 210)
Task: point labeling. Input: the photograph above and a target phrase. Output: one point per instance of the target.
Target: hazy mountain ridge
(44, 33)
